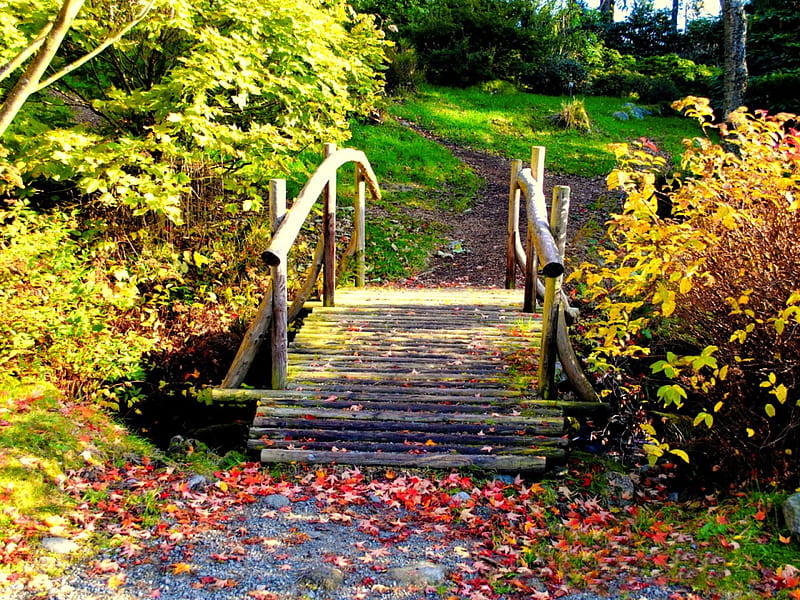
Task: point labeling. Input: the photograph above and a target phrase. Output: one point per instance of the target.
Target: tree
(47, 43)
(735, 68)
(228, 93)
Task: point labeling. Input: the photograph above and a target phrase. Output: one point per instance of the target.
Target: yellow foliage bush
(714, 283)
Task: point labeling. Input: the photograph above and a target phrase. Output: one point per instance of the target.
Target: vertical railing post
(329, 236)
(513, 225)
(559, 214)
(532, 262)
(280, 339)
(359, 228)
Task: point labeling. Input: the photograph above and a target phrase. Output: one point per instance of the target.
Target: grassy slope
(509, 124)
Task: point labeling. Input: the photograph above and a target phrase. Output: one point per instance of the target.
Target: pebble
(276, 501)
(59, 545)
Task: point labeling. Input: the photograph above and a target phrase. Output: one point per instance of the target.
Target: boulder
(791, 514)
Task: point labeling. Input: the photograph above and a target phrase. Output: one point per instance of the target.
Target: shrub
(715, 285)
(573, 115)
(774, 92)
(63, 315)
(689, 78)
(555, 75)
(403, 73)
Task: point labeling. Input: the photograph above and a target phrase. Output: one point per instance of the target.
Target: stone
(621, 489)
(322, 577)
(621, 115)
(59, 545)
(277, 501)
(419, 574)
(461, 497)
(791, 514)
(196, 481)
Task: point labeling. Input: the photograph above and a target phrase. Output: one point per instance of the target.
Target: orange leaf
(760, 515)
(181, 567)
(785, 539)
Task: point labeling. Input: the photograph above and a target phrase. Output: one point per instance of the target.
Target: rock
(461, 497)
(506, 479)
(277, 501)
(59, 545)
(621, 489)
(791, 514)
(419, 574)
(322, 577)
(196, 481)
(621, 115)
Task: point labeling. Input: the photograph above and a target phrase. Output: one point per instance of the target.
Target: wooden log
(472, 422)
(359, 229)
(431, 438)
(329, 235)
(512, 231)
(547, 352)
(553, 449)
(577, 378)
(344, 426)
(284, 238)
(280, 334)
(310, 284)
(546, 249)
(513, 463)
(255, 335)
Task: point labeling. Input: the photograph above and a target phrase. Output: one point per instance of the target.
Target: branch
(30, 78)
(26, 53)
(114, 38)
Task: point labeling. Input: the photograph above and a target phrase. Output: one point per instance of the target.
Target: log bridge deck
(410, 377)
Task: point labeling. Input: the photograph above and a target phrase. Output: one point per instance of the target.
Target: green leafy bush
(556, 76)
(714, 285)
(231, 93)
(65, 306)
(774, 92)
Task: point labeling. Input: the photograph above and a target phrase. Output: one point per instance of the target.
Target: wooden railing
(546, 245)
(275, 314)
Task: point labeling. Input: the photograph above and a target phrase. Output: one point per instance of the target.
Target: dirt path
(479, 235)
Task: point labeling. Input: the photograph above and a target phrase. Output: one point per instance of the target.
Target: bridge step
(411, 378)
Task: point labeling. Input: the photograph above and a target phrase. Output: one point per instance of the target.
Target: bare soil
(476, 255)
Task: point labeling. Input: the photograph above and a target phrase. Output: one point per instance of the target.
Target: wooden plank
(487, 419)
(553, 449)
(432, 438)
(513, 463)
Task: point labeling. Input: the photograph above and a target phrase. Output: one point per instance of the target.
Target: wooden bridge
(415, 377)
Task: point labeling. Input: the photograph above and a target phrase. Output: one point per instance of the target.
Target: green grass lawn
(508, 124)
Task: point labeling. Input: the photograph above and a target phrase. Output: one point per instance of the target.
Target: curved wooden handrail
(274, 313)
(286, 234)
(546, 243)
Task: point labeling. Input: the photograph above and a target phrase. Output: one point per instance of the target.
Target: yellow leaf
(718, 406)
(181, 567)
(770, 410)
(116, 580)
(780, 393)
(222, 485)
(668, 306)
(680, 454)
(686, 285)
(750, 432)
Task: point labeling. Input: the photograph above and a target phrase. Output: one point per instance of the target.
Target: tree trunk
(735, 22)
(30, 78)
(676, 9)
(607, 10)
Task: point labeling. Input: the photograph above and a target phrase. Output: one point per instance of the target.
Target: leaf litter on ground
(167, 533)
